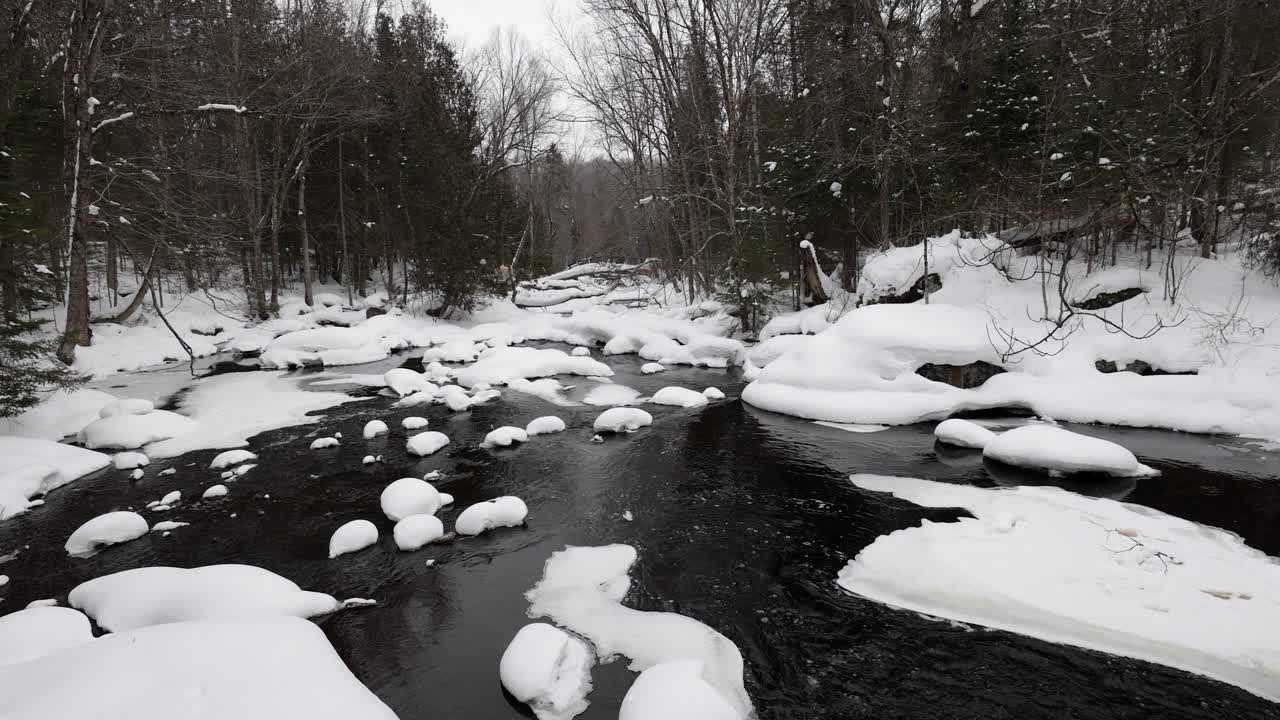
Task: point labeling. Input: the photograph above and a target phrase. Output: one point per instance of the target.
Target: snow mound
(215, 491)
(679, 397)
(168, 525)
(675, 690)
(147, 596)
(651, 368)
(109, 529)
(548, 669)
(544, 425)
(413, 423)
(324, 442)
(264, 669)
(611, 395)
(61, 414)
(582, 589)
(1090, 572)
(1059, 452)
(712, 393)
(426, 443)
(352, 536)
(30, 467)
(506, 511)
(504, 436)
(230, 458)
(374, 428)
(126, 431)
(126, 406)
(501, 365)
(548, 389)
(414, 531)
(404, 381)
(455, 351)
(580, 351)
(171, 498)
(622, 419)
(409, 496)
(39, 631)
(129, 460)
(963, 433)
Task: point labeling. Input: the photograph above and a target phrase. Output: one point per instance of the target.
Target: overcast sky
(472, 21)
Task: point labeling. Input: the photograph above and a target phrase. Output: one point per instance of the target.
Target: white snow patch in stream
(582, 589)
(679, 397)
(413, 422)
(129, 460)
(125, 431)
(111, 528)
(214, 491)
(499, 366)
(622, 419)
(1090, 572)
(612, 395)
(675, 690)
(651, 368)
(414, 531)
(352, 536)
(544, 425)
(374, 428)
(30, 467)
(409, 496)
(230, 458)
(504, 436)
(963, 433)
(426, 443)
(548, 669)
(1061, 452)
(506, 511)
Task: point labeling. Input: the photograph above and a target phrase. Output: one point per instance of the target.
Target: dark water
(742, 520)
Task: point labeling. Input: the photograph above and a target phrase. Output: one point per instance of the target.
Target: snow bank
(963, 433)
(622, 419)
(506, 511)
(675, 690)
(544, 425)
(39, 631)
(352, 536)
(611, 394)
(548, 669)
(679, 397)
(30, 467)
(230, 458)
(504, 436)
(264, 669)
(1058, 452)
(147, 596)
(125, 431)
(374, 428)
(414, 531)
(426, 443)
(501, 365)
(582, 589)
(129, 460)
(109, 529)
(1083, 571)
(409, 496)
(61, 414)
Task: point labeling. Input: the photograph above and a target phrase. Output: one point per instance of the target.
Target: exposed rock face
(1107, 299)
(932, 282)
(1141, 367)
(961, 376)
(374, 312)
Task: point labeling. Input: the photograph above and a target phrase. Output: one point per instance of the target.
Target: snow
(504, 436)
(146, 596)
(651, 368)
(963, 433)
(679, 397)
(426, 443)
(611, 394)
(137, 474)
(712, 393)
(1091, 572)
(548, 669)
(413, 423)
(548, 389)
(374, 428)
(582, 589)
(580, 352)
(404, 381)
(39, 631)
(352, 536)
(165, 526)
(171, 498)
(109, 529)
(214, 491)
(324, 442)
(545, 425)
(126, 431)
(1058, 451)
(622, 419)
(31, 466)
(500, 365)
(60, 415)
(455, 351)
(506, 511)
(675, 690)
(230, 458)
(409, 496)
(129, 460)
(414, 531)
(127, 406)
(264, 669)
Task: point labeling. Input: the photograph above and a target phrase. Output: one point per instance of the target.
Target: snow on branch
(223, 107)
(116, 119)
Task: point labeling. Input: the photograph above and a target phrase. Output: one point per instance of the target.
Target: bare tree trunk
(307, 296)
(345, 270)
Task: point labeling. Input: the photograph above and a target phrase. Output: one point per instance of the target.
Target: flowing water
(741, 518)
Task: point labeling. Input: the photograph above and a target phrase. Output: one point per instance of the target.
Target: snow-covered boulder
(374, 428)
(426, 443)
(109, 529)
(963, 433)
(404, 381)
(548, 669)
(39, 631)
(323, 443)
(504, 436)
(675, 690)
(544, 425)
(580, 351)
(679, 397)
(146, 596)
(352, 536)
(622, 419)
(214, 491)
(413, 422)
(506, 511)
(1061, 452)
(500, 365)
(712, 393)
(409, 496)
(611, 395)
(651, 368)
(30, 467)
(165, 526)
(230, 458)
(414, 531)
(127, 406)
(456, 351)
(129, 460)
(171, 498)
(126, 431)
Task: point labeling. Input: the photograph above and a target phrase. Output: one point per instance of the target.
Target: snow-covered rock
(622, 419)
(500, 365)
(1060, 452)
(39, 631)
(580, 351)
(59, 415)
(352, 536)
(651, 368)
(679, 397)
(426, 443)
(171, 498)
(324, 442)
(445, 499)
(506, 511)
(137, 474)
(963, 433)
(712, 393)
(404, 381)
(126, 431)
(146, 596)
(214, 491)
(675, 690)
(504, 437)
(414, 531)
(413, 422)
(165, 526)
(374, 428)
(230, 458)
(129, 460)
(31, 466)
(109, 529)
(611, 395)
(544, 425)
(548, 669)
(409, 496)
(127, 406)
